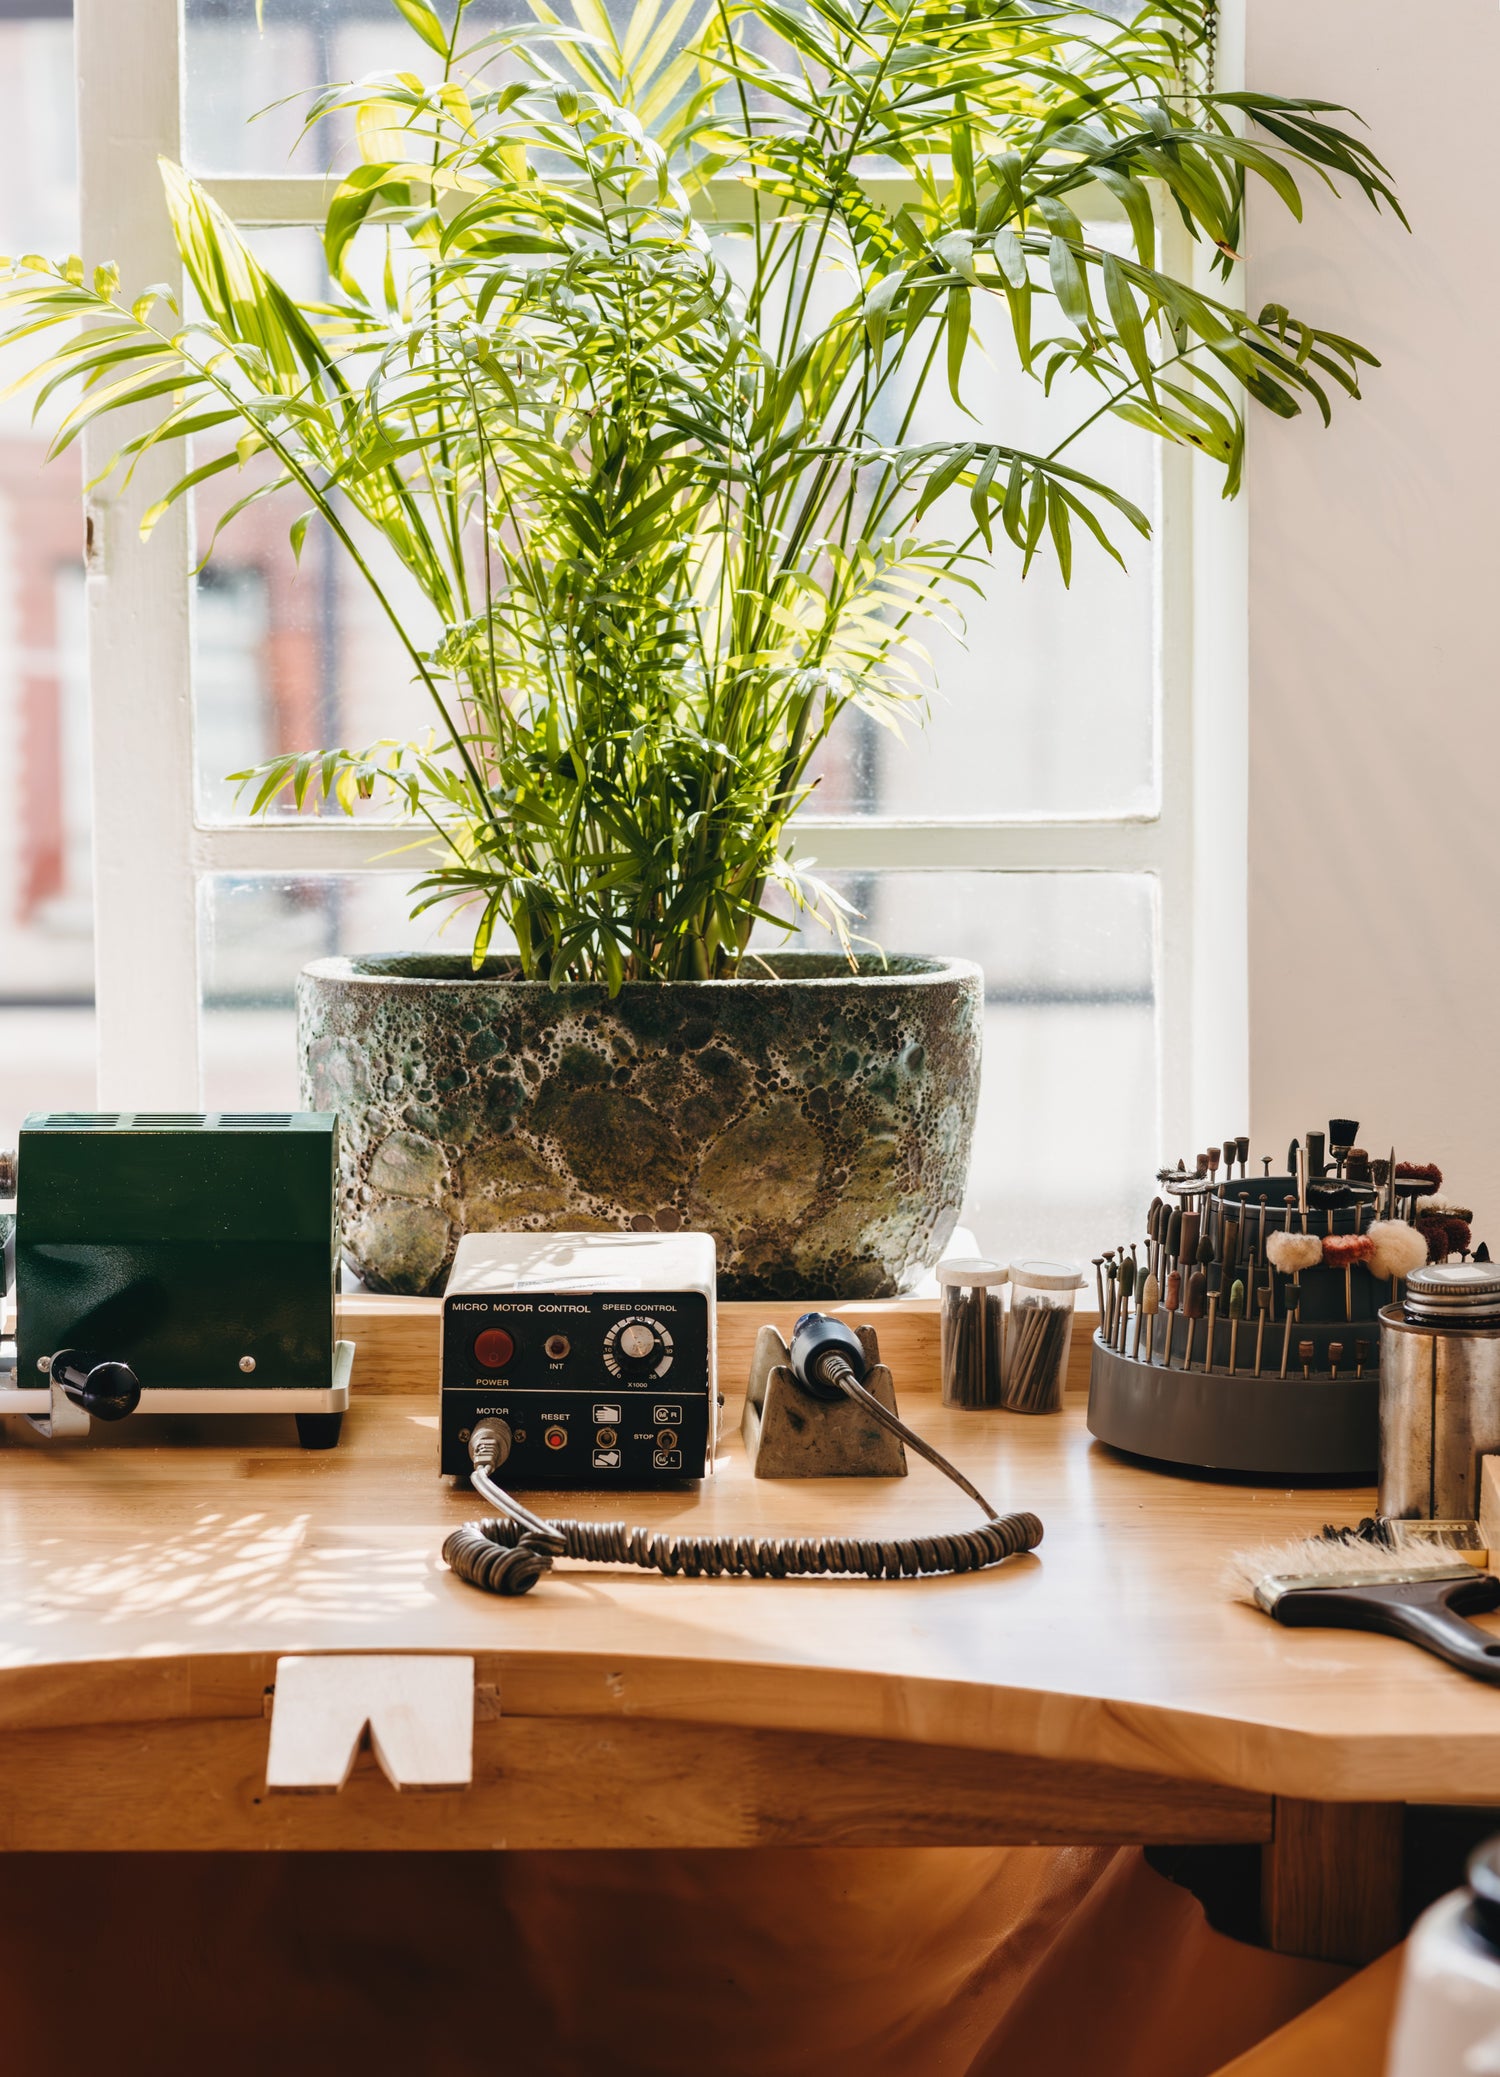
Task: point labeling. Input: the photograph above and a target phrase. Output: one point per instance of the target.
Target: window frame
(151, 852)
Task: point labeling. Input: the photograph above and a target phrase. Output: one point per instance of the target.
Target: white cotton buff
(1292, 1251)
(1399, 1248)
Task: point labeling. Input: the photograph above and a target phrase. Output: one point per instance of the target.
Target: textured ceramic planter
(817, 1123)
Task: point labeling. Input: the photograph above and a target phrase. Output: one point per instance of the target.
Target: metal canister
(1439, 1391)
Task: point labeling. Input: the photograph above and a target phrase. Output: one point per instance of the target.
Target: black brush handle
(1427, 1612)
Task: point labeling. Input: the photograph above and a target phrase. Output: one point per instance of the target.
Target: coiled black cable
(509, 1555)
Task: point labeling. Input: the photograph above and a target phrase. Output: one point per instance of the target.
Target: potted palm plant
(629, 392)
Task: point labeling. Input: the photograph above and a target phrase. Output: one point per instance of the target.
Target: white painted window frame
(151, 853)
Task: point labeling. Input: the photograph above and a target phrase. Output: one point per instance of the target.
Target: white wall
(1375, 726)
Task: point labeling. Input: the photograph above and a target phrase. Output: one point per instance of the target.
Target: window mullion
(140, 652)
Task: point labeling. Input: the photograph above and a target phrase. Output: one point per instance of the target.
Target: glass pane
(289, 653)
(1044, 705)
(1044, 701)
(247, 82)
(1067, 1135)
(46, 901)
(258, 930)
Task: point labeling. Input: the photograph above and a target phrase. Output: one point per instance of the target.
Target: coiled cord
(509, 1555)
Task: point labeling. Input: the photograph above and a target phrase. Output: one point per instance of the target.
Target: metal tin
(1439, 1406)
(1448, 1292)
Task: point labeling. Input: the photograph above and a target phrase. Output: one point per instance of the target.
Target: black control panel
(598, 1388)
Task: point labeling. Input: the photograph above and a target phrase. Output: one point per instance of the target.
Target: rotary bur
(1127, 1287)
(1262, 1307)
(1236, 1314)
(1197, 1306)
(1146, 1310)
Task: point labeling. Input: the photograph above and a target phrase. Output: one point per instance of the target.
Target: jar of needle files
(973, 1331)
(1038, 1335)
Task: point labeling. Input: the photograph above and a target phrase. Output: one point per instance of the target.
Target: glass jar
(973, 1330)
(1039, 1335)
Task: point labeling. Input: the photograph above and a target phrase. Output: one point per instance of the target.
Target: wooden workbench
(1105, 1689)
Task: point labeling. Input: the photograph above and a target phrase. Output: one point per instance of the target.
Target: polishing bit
(1197, 1305)
(1127, 1286)
(1262, 1307)
(1146, 1310)
(1293, 1309)
(1172, 1302)
(1236, 1314)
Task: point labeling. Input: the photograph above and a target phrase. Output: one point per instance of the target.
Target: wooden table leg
(1331, 1880)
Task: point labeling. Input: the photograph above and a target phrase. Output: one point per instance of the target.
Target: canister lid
(966, 1271)
(1047, 1276)
(1445, 1289)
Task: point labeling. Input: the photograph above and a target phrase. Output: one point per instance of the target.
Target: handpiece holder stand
(788, 1433)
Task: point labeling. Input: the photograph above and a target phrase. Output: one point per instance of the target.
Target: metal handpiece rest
(790, 1430)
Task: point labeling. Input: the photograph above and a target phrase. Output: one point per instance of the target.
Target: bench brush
(1345, 1580)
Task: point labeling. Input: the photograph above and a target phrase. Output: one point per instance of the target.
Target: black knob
(108, 1391)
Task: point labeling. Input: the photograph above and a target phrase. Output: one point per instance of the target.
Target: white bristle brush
(1397, 1249)
(1292, 1252)
(1421, 1594)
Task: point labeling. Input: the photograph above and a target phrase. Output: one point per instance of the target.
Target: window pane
(1067, 1119)
(289, 652)
(247, 82)
(258, 930)
(1067, 1112)
(1045, 704)
(1044, 699)
(46, 954)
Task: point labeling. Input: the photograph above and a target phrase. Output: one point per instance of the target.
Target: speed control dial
(638, 1348)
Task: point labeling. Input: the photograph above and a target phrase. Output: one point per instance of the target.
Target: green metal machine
(176, 1262)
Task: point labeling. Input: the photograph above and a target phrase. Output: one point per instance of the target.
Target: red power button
(494, 1348)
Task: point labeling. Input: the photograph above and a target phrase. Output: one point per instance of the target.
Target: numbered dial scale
(637, 1348)
(595, 1352)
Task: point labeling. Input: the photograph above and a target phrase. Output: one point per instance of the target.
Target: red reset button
(494, 1348)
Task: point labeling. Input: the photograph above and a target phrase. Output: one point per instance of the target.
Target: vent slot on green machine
(170, 1263)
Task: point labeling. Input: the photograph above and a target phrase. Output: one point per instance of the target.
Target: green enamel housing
(201, 1249)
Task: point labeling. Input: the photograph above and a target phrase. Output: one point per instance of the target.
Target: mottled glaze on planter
(818, 1123)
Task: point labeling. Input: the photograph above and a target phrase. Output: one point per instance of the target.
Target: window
(47, 1030)
(1072, 818)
